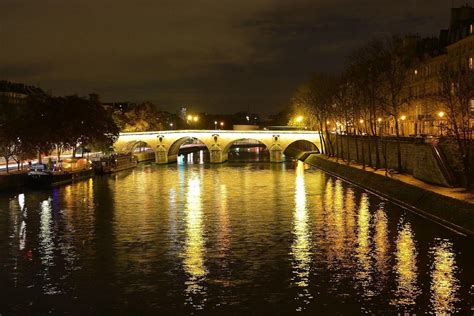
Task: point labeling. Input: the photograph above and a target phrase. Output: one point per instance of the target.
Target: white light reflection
(24, 214)
(194, 245)
(46, 246)
(21, 200)
(201, 157)
(300, 249)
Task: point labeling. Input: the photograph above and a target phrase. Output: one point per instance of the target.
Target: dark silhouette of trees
(42, 123)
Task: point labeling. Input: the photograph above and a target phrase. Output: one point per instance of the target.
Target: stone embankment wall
(450, 212)
(453, 156)
(418, 156)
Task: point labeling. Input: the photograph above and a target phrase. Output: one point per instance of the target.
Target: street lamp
(171, 125)
(440, 125)
(215, 124)
(403, 118)
(299, 119)
(195, 118)
(222, 125)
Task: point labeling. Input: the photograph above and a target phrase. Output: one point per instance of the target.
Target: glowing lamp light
(195, 119)
(222, 123)
(299, 119)
(379, 119)
(403, 117)
(190, 117)
(441, 114)
(361, 121)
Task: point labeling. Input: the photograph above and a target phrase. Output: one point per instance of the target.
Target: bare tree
(318, 95)
(457, 94)
(396, 55)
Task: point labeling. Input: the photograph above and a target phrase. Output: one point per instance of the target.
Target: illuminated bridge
(166, 144)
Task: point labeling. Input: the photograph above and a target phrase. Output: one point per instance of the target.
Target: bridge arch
(173, 150)
(131, 146)
(249, 141)
(292, 148)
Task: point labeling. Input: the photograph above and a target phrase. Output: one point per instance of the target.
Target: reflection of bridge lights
(300, 248)
(194, 244)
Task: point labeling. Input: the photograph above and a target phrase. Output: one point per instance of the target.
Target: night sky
(215, 56)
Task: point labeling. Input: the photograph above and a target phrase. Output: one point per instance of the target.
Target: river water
(237, 237)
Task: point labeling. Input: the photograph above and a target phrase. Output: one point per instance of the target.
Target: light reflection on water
(444, 282)
(246, 238)
(406, 269)
(194, 249)
(300, 248)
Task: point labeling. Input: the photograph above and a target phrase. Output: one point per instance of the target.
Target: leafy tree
(139, 118)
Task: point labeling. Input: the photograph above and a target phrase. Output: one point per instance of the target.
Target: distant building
(17, 92)
(183, 113)
(455, 45)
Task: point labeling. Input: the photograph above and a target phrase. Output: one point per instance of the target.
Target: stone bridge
(166, 144)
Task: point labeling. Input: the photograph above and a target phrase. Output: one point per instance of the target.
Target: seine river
(237, 238)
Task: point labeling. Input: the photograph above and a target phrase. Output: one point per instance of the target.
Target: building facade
(425, 114)
(16, 93)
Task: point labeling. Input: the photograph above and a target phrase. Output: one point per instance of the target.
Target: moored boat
(70, 170)
(114, 163)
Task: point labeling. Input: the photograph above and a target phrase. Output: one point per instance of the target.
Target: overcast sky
(214, 56)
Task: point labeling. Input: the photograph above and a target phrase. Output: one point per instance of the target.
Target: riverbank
(450, 207)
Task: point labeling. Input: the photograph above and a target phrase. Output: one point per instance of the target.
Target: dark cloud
(208, 55)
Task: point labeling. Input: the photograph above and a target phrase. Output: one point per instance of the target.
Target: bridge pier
(276, 156)
(216, 155)
(276, 153)
(161, 156)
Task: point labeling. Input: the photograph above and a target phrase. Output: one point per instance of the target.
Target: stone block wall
(453, 156)
(417, 156)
